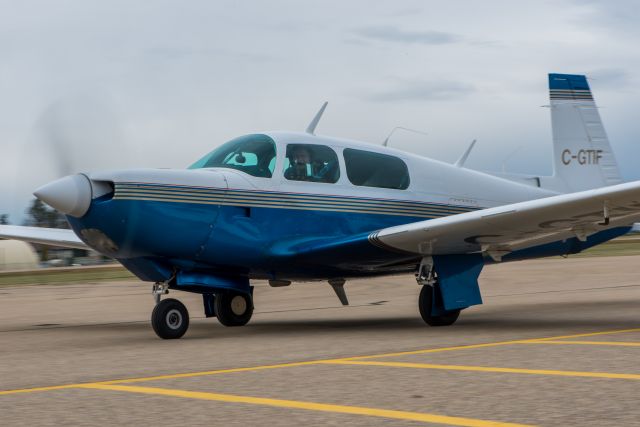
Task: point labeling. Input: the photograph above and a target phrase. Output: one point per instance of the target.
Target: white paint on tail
(583, 158)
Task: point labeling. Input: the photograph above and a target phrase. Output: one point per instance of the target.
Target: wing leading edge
(501, 230)
(45, 236)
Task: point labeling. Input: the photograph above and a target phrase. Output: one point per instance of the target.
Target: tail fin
(583, 158)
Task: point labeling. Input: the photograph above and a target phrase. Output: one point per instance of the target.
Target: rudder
(583, 158)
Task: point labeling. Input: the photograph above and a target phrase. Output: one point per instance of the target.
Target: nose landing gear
(170, 319)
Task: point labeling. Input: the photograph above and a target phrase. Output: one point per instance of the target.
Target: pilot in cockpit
(300, 162)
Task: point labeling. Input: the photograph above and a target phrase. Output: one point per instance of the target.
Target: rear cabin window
(252, 154)
(369, 169)
(310, 162)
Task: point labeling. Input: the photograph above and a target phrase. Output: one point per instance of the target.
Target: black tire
(170, 319)
(425, 304)
(233, 308)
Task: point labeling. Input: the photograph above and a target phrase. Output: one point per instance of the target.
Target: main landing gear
(233, 308)
(430, 300)
(428, 311)
(170, 318)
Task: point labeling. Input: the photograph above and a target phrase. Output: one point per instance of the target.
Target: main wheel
(425, 304)
(170, 319)
(233, 308)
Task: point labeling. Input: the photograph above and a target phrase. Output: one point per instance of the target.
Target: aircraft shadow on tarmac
(533, 317)
(522, 318)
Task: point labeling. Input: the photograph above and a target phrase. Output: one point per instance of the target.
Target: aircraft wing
(500, 230)
(45, 236)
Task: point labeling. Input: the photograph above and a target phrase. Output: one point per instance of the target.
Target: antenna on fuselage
(312, 126)
(460, 162)
(386, 140)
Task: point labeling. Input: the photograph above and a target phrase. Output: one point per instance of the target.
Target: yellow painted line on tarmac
(158, 377)
(308, 363)
(604, 343)
(428, 350)
(590, 334)
(29, 390)
(296, 364)
(315, 362)
(484, 345)
(487, 369)
(206, 373)
(309, 406)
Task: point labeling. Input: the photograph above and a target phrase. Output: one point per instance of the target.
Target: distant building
(16, 255)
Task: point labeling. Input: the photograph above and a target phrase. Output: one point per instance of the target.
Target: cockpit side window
(252, 154)
(311, 162)
(370, 169)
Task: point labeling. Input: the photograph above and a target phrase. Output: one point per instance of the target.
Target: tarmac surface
(556, 343)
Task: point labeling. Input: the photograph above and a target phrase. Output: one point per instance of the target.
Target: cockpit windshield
(253, 154)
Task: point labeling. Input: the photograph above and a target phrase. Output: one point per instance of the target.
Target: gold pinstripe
(281, 196)
(282, 206)
(282, 200)
(288, 203)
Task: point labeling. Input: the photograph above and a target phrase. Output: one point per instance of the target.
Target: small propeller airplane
(295, 206)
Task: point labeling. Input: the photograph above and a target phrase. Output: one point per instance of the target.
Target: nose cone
(70, 195)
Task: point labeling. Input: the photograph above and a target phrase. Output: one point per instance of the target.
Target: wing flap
(519, 225)
(44, 236)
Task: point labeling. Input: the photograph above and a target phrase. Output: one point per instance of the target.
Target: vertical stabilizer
(583, 158)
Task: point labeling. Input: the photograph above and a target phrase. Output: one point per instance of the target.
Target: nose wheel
(170, 319)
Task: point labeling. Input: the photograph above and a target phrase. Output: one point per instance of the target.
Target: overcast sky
(88, 85)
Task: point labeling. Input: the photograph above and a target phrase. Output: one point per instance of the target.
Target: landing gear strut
(159, 289)
(233, 308)
(430, 300)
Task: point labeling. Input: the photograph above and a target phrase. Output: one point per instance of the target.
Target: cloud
(396, 35)
(168, 81)
(422, 91)
(620, 17)
(190, 54)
